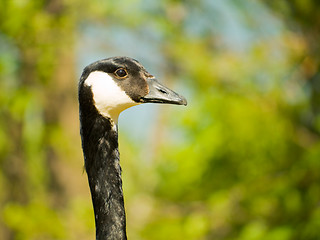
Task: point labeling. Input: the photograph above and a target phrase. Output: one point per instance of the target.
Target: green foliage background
(241, 162)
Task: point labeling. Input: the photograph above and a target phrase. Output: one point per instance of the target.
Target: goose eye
(121, 73)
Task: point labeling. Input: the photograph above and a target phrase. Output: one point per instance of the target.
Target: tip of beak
(184, 101)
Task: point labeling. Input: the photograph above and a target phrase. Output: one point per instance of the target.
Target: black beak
(161, 94)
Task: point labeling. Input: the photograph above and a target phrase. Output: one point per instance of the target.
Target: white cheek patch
(110, 100)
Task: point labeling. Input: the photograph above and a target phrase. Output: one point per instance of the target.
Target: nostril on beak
(162, 91)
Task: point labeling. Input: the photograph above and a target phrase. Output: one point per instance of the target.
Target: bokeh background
(240, 162)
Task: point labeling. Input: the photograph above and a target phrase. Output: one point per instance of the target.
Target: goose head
(114, 84)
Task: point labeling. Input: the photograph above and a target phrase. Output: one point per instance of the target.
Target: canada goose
(106, 88)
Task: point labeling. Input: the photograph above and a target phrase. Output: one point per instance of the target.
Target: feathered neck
(99, 137)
